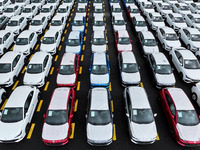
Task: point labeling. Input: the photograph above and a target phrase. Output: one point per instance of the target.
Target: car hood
(144, 132)
(47, 47)
(72, 49)
(33, 78)
(98, 28)
(14, 28)
(193, 73)
(159, 24)
(20, 48)
(99, 79)
(150, 49)
(10, 131)
(9, 14)
(140, 28)
(127, 47)
(119, 27)
(77, 28)
(35, 28)
(175, 43)
(131, 78)
(167, 11)
(97, 132)
(57, 28)
(55, 132)
(4, 77)
(165, 79)
(98, 48)
(66, 79)
(26, 14)
(189, 133)
(45, 14)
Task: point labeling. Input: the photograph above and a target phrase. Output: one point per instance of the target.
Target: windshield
(150, 42)
(5, 68)
(191, 64)
(129, 1)
(67, 1)
(62, 10)
(130, 68)
(34, 68)
(73, 42)
(116, 10)
(98, 10)
(99, 41)
(184, 8)
(99, 69)
(48, 40)
(99, 117)
(163, 69)
(141, 23)
(119, 22)
(8, 10)
(98, 23)
(56, 117)
(134, 11)
(66, 69)
(19, 1)
(51, 1)
(78, 23)
(45, 10)
(149, 6)
(179, 20)
(142, 116)
(1, 3)
(158, 19)
(81, 10)
(114, 1)
(171, 37)
(22, 41)
(56, 23)
(11, 115)
(82, 1)
(35, 1)
(27, 10)
(167, 7)
(124, 41)
(98, 1)
(195, 37)
(13, 23)
(36, 22)
(197, 20)
(187, 117)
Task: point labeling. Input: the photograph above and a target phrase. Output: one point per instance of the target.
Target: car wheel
(31, 50)
(3, 96)
(170, 57)
(14, 79)
(172, 132)
(27, 128)
(172, 27)
(181, 75)
(179, 34)
(4, 50)
(39, 96)
(163, 45)
(194, 97)
(188, 47)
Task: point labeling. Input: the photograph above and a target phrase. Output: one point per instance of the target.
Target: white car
(38, 24)
(4, 4)
(194, 7)
(193, 20)
(139, 23)
(54, 3)
(196, 93)
(116, 9)
(164, 8)
(68, 70)
(147, 7)
(141, 123)
(79, 23)
(38, 3)
(17, 114)
(2, 95)
(168, 38)
(186, 64)
(181, 8)
(16, 24)
(51, 41)
(98, 11)
(155, 20)
(191, 38)
(11, 64)
(81, 10)
(129, 69)
(99, 117)
(29, 11)
(118, 23)
(58, 23)
(98, 23)
(25, 42)
(12, 10)
(175, 21)
(6, 40)
(148, 42)
(161, 70)
(98, 42)
(38, 69)
(22, 3)
(63, 10)
(48, 11)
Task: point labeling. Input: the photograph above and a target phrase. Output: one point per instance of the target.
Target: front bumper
(99, 142)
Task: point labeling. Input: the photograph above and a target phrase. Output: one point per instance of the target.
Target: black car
(3, 21)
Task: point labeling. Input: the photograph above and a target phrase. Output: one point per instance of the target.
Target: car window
(43, 19)
(15, 61)
(45, 61)
(186, 32)
(28, 102)
(153, 62)
(129, 103)
(171, 16)
(34, 7)
(16, 7)
(170, 104)
(21, 19)
(31, 36)
(56, 36)
(69, 105)
(76, 61)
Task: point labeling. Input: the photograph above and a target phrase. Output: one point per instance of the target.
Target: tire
(31, 50)
(4, 50)
(194, 97)
(163, 46)
(3, 96)
(39, 96)
(188, 47)
(27, 128)
(170, 57)
(14, 79)
(179, 34)
(181, 75)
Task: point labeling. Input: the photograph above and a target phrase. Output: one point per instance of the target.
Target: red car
(68, 70)
(181, 115)
(58, 118)
(123, 41)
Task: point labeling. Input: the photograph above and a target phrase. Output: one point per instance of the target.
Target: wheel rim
(194, 96)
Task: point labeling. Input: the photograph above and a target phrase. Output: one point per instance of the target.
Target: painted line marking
(70, 19)
(105, 25)
(23, 70)
(56, 58)
(59, 47)
(51, 72)
(83, 47)
(65, 31)
(78, 86)
(174, 86)
(89, 6)
(85, 31)
(88, 14)
(107, 47)
(14, 86)
(49, 25)
(37, 47)
(72, 131)
(89, 1)
(114, 133)
(4, 104)
(46, 86)
(157, 138)
(104, 14)
(110, 88)
(76, 106)
(31, 57)
(106, 31)
(12, 48)
(80, 70)
(72, 10)
(71, 14)
(45, 31)
(88, 9)
(105, 19)
(84, 38)
(86, 24)
(104, 9)
(112, 105)
(68, 25)
(141, 84)
(82, 57)
(39, 106)
(106, 38)
(87, 19)
(41, 38)
(31, 131)
(63, 39)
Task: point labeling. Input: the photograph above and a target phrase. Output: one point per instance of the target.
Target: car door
(32, 40)
(152, 65)
(16, 65)
(76, 64)
(128, 108)
(161, 35)
(46, 66)
(178, 61)
(70, 109)
(29, 107)
(185, 36)
(21, 23)
(5, 41)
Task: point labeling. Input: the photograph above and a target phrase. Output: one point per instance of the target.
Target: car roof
(176, 14)
(168, 29)
(147, 35)
(192, 30)
(118, 17)
(16, 17)
(80, 5)
(98, 7)
(8, 57)
(50, 33)
(180, 99)
(11, 6)
(187, 54)
(68, 59)
(57, 17)
(99, 59)
(74, 35)
(98, 17)
(147, 3)
(29, 6)
(160, 58)
(38, 17)
(138, 97)
(116, 5)
(133, 6)
(99, 99)
(47, 5)
(25, 34)
(128, 57)
(99, 34)
(38, 57)
(59, 98)
(18, 96)
(63, 6)
(3, 32)
(155, 13)
(78, 17)
(182, 4)
(139, 18)
(123, 33)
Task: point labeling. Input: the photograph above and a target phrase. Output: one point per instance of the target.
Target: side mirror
(27, 114)
(112, 115)
(89, 69)
(155, 115)
(86, 116)
(65, 43)
(125, 22)
(106, 42)
(15, 42)
(127, 115)
(44, 116)
(0, 115)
